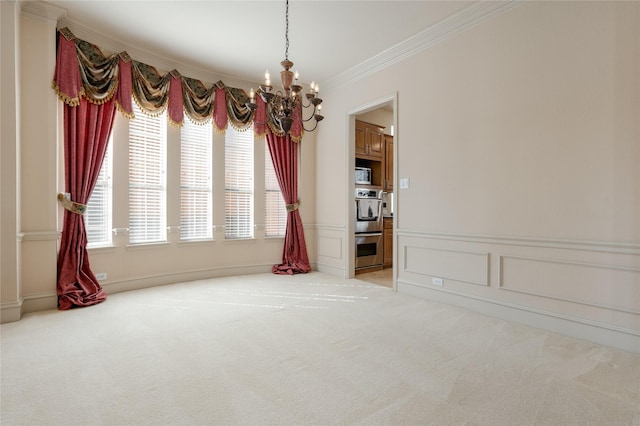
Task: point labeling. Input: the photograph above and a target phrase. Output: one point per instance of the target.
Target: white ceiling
(241, 39)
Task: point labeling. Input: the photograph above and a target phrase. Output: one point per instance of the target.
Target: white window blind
(98, 219)
(238, 187)
(275, 210)
(147, 178)
(195, 182)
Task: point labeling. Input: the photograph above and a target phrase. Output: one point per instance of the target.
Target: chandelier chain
(286, 49)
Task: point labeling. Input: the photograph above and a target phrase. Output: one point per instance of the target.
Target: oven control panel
(368, 193)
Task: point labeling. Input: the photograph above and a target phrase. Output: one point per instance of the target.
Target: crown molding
(42, 11)
(454, 24)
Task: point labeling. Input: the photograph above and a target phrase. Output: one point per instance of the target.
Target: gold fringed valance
(83, 70)
(240, 116)
(198, 100)
(150, 89)
(101, 74)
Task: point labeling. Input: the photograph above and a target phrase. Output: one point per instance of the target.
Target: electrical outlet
(404, 183)
(437, 281)
(101, 276)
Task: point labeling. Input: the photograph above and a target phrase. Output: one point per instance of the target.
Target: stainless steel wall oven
(368, 235)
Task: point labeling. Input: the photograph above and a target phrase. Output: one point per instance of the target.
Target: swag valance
(82, 70)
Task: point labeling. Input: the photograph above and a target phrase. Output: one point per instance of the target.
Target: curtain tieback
(72, 206)
(292, 207)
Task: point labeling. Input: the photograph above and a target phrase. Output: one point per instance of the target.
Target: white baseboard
(11, 311)
(331, 270)
(40, 302)
(141, 282)
(46, 301)
(604, 334)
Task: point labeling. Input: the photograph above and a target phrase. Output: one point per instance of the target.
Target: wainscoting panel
(39, 262)
(465, 266)
(603, 286)
(589, 290)
(331, 249)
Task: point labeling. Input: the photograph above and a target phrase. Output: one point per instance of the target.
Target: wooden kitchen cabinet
(361, 135)
(388, 163)
(387, 242)
(369, 140)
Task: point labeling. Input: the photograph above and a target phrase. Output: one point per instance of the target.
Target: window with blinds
(238, 184)
(275, 211)
(97, 218)
(147, 178)
(196, 191)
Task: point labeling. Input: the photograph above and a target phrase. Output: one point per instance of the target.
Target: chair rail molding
(39, 235)
(598, 246)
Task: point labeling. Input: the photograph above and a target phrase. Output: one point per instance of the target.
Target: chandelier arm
(266, 123)
(313, 114)
(310, 117)
(310, 130)
(302, 102)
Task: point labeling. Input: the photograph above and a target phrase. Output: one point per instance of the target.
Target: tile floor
(382, 277)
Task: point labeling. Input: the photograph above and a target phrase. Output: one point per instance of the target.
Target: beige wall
(39, 169)
(10, 300)
(520, 137)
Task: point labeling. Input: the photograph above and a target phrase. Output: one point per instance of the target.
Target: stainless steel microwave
(363, 175)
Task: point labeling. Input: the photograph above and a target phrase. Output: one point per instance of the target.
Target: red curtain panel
(284, 154)
(86, 134)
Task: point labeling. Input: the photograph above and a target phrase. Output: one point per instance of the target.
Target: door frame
(392, 100)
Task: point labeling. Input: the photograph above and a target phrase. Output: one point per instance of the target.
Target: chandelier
(281, 106)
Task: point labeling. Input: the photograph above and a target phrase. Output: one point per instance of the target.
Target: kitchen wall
(32, 176)
(520, 138)
(381, 116)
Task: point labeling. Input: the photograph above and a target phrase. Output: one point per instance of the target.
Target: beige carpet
(307, 349)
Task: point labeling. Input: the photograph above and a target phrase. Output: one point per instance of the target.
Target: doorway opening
(371, 195)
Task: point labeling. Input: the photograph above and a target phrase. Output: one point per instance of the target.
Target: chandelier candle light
(281, 106)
